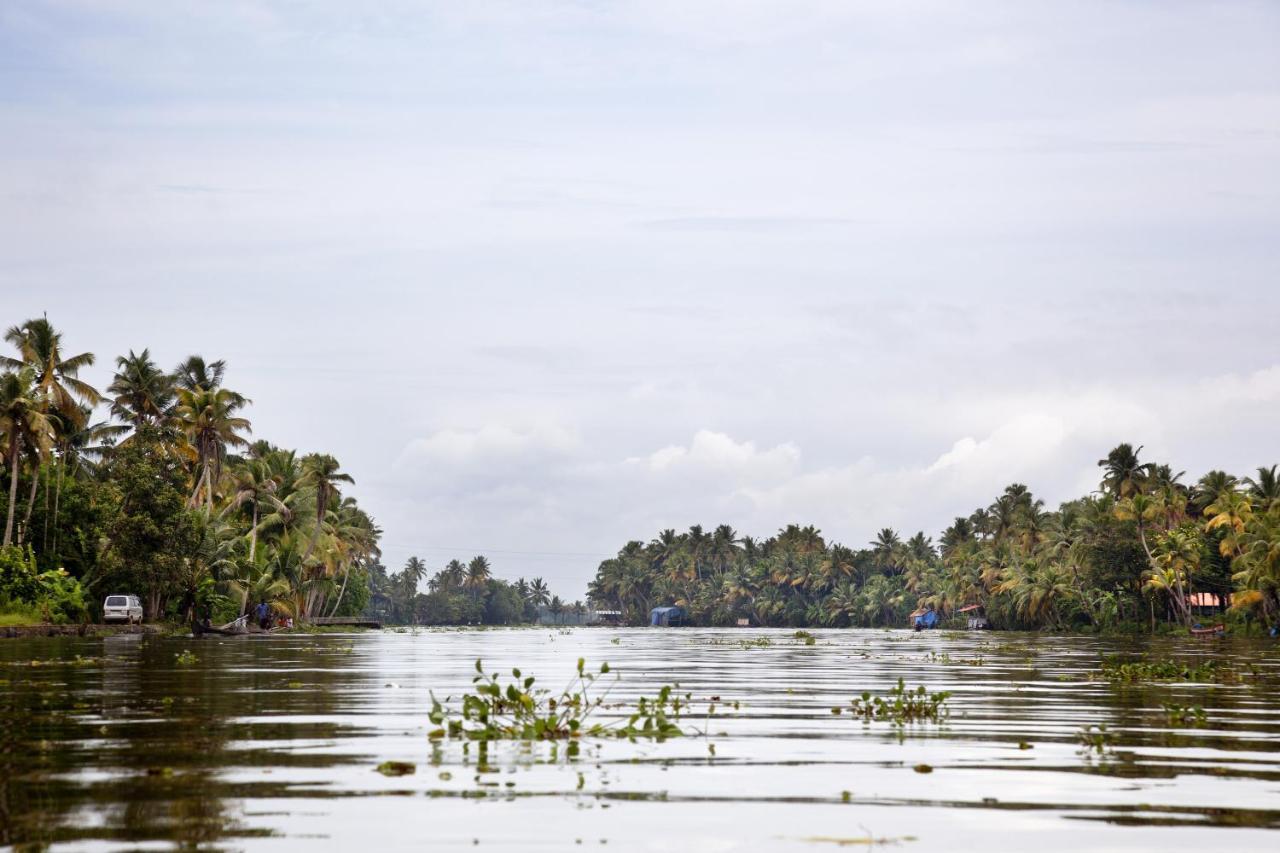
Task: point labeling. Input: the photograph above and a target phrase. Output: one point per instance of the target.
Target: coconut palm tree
(321, 473)
(141, 393)
(539, 593)
(1230, 511)
(415, 570)
(478, 574)
(253, 485)
(195, 373)
(1208, 487)
(211, 423)
(1123, 474)
(1264, 490)
(40, 348)
(24, 427)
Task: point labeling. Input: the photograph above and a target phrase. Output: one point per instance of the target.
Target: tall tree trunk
(343, 591)
(31, 502)
(253, 531)
(44, 540)
(57, 497)
(14, 446)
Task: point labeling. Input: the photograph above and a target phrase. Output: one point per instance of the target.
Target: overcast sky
(547, 276)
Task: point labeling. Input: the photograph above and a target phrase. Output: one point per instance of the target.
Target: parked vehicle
(122, 608)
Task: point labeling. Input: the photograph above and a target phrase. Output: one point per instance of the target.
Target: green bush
(53, 596)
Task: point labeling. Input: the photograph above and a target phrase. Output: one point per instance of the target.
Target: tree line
(163, 494)
(1135, 552)
(463, 594)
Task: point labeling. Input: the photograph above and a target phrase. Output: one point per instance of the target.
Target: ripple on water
(274, 742)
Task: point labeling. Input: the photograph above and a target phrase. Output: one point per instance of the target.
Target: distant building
(668, 617)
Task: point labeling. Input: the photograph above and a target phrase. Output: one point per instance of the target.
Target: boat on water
(233, 628)
(1212, 631)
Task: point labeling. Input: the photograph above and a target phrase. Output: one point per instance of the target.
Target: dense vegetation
(463, 594)
(165, 497)
(1133, 553)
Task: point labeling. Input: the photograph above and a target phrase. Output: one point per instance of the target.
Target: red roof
(969, 608)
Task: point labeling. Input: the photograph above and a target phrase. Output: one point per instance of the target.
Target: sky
(549, 276)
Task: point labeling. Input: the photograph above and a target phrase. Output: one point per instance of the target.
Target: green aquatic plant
(901, 706)
(396, 768)
(1131, 671)
(1191, 717)
(1095, 740)
(186, 657)
(517, 710)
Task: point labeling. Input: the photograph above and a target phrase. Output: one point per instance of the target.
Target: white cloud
(718, 453)
(490, 444)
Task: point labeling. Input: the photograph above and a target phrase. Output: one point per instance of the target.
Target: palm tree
(252, 483)
(321, 473)
(66, 398)
(1123, 474)
(478, 574)
(415, 570)
(539, 593)
(1265, 489)
(1209, 486)
(141, 393)
(886, 548)
(23, 425)
(210, 423)
(1231, 512)
(40, 348)
(195, 373)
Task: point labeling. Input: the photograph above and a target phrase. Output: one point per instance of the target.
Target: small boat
(1212, 631)
(231, 629)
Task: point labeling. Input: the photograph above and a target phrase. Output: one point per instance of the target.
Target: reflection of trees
(161, 737)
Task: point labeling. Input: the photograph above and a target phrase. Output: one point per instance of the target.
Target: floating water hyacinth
(517, 710)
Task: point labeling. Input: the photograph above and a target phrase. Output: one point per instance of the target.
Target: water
(272, 743)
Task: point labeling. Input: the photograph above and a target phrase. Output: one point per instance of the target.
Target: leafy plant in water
(1191, 717)
(902, 706)
(1116, 670)
(1095, 739)
(185, 658)
(518, 710)
(396, 768)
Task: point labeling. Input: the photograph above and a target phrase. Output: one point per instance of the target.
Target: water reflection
(273, 742)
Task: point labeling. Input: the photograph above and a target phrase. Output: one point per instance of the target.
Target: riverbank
(86, 630)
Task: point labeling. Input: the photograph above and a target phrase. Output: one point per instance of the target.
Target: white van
(122, 608)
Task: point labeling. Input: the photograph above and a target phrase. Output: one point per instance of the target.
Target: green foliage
(53, 596)
(396, 768)
(901, 706)
(1191, 717)
(1130, 671)
(1133, 554)
(1095, 740)
(518, 710)
(156, 502)
(154, 536)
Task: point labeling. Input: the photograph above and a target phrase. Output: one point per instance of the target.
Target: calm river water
(272, 743)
